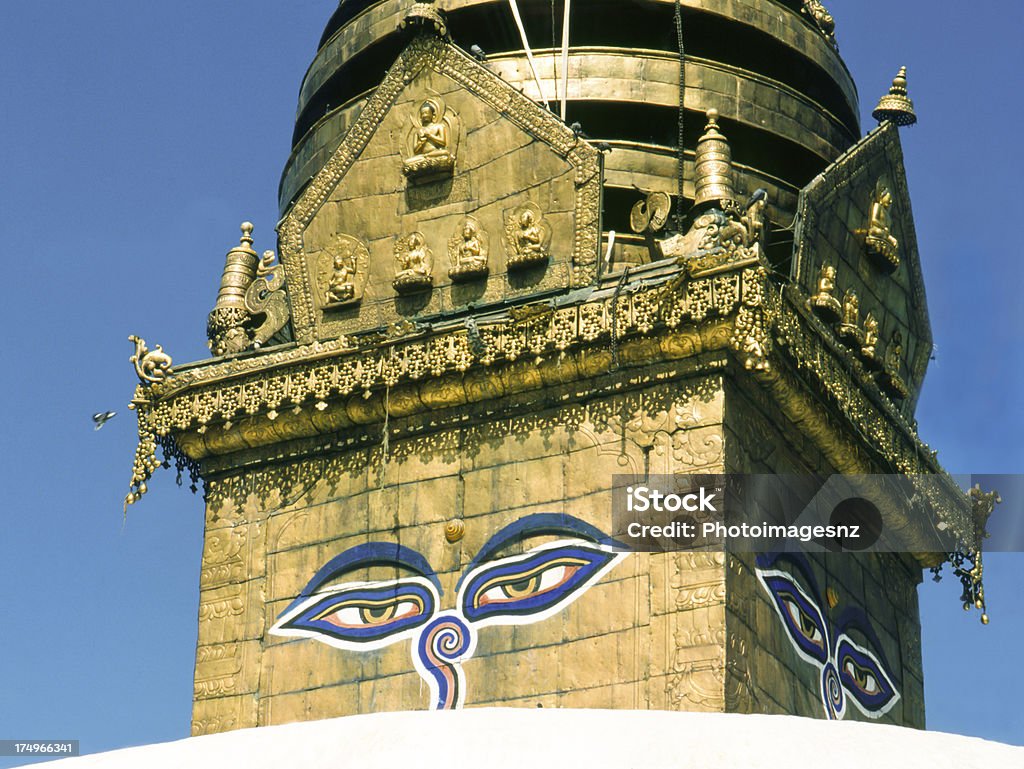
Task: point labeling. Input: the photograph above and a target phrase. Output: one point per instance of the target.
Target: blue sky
(135, 136)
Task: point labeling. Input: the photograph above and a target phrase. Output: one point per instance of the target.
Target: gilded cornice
(736, 309)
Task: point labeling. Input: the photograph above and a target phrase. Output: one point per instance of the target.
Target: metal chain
(680, 171)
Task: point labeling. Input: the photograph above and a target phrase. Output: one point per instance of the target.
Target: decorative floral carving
(151, 366)
(822, 19)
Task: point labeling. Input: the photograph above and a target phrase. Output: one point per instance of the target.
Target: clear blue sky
(135, 136)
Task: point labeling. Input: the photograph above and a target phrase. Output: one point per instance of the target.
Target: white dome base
(513, 738)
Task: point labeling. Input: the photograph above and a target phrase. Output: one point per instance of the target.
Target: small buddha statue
(824, 304)
(414, 264)
(849, 328)
(528, 235)
(468, 252)
(889, 378)
(431, 144)
(530, 239)
(880, 241)
(341, 287)
(868, 350)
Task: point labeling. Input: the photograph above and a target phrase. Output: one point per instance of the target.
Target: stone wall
(650, 634)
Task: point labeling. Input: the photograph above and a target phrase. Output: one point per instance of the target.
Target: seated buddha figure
(431, 144)
(880, 240)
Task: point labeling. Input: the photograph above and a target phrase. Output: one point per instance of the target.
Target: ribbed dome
(787, 102)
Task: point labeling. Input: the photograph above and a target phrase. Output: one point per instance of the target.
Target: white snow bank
(624, 739)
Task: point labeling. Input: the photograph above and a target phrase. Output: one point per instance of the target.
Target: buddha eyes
(517, 587)
(800, 616)
(527, 587)
(865, 678)
(801, 620)
(357, 614)
(862, 679)
(850, 668)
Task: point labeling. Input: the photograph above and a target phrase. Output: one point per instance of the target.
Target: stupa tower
(498, 284)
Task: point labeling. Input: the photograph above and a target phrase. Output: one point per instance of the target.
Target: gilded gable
(452, 189)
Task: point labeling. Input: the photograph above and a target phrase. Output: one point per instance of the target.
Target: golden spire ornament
(713, 165)
(896, 106)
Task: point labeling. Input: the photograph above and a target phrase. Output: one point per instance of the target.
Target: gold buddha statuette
(824, 304)
(415, 264)
(528, 236)
(467, 250)
(868, 350)
(880, 241)
(889, 379)
(432, 143)
(849, 329)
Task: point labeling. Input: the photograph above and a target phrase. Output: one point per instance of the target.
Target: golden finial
(224, 324)
(896, 106)
(713, 166)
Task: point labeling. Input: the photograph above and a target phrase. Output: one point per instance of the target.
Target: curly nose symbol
(437, 653)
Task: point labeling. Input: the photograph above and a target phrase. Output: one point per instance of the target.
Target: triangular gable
(834, 227)
(447, 164)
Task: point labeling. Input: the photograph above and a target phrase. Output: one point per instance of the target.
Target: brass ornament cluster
(429, 52)
(862, 338)
(723, 232)
(251, 304)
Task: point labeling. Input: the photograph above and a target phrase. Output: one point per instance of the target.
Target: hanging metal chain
(680, 171)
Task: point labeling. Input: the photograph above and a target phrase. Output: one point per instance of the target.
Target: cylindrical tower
(770, 67)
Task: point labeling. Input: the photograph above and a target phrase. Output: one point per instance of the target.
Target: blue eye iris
(533, 584)
(864, 678)
(361, 614)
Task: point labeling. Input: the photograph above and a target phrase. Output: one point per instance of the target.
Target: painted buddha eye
(861, 678)
(356, 615)
(801, 620)
(864, 677)
(529, 587)
(800, 615)
(516, 587)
